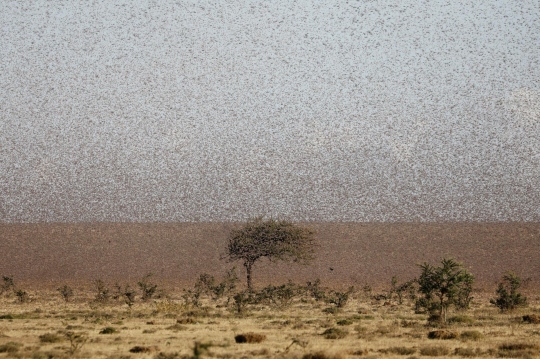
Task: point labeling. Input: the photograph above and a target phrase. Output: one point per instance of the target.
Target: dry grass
(48, 327)
(442, 334)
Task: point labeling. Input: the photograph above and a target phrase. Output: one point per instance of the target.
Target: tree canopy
(273, 239)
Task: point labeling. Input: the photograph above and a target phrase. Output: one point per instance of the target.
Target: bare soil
(348, 253)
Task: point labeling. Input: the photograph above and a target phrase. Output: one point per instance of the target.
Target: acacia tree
(273, 239)
(444, 286)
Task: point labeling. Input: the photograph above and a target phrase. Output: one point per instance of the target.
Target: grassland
(177, 324)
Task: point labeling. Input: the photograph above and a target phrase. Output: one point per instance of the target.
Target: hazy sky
(192, 110)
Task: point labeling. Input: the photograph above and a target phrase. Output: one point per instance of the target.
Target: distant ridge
(359, 253)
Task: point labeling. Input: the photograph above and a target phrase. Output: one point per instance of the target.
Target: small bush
(76, 340)
(508, 297)
(531, 319)
(434, 351)
(108, 330)
(66, 292)
(22, 296)
(315, 290)
(334, 333)
(250, 338)
(442, 334)
(471, 335)
(8, 285)
(142, 349)
(10, 347)
(102, 292)
(206, 284)
(345, 322)
(279, 297)
(339, 299)
(187, 320)
(50, 338)
(241, 301)
(148, 288)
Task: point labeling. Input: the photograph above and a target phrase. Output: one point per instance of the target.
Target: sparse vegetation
(339, 299)
(335, 333)
(66, 292)
(51, 338)
(148, 289)
(508, 296)
(474, 335)
(276, 321)
(22, 296)
(442, 334)
(434, 351)
(443, 287)
(108, 330)
(8, 285)
(398, 350)
(10, 347)
(102, 292)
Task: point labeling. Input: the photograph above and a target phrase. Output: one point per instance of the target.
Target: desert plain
(292, 320)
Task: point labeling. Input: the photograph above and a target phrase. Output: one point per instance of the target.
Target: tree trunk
(249, 266)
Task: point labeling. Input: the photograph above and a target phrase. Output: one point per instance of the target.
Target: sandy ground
(348, 253)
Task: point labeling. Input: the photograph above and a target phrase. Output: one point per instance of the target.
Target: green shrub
(400, 291)
(508, 297)
(443, 287)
